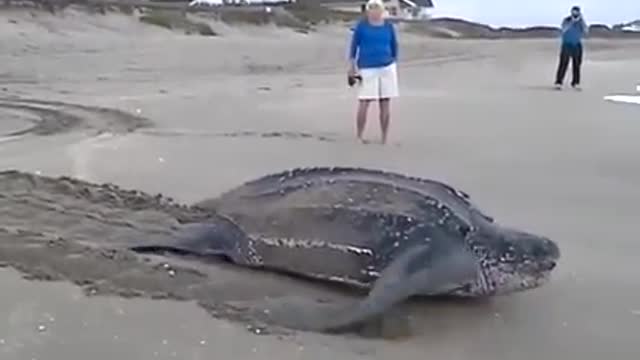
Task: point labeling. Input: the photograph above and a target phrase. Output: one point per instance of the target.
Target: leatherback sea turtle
(395, 235)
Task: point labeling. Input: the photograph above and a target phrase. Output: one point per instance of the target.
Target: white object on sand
(629, 99)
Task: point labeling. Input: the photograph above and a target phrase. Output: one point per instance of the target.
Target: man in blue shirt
(373, 55)
(574, 28)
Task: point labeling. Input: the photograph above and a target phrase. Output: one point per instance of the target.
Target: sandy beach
(108, 99)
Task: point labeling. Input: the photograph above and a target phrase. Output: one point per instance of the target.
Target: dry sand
(190, 117)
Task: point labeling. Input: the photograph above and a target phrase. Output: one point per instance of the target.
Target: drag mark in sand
(65, 229)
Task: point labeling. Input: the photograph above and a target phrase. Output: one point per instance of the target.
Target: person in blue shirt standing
(573, 28)
(373, 55)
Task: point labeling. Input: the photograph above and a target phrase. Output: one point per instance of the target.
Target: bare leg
(363, 108)
(385, 116)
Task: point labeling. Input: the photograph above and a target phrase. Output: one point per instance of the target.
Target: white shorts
(379, 83)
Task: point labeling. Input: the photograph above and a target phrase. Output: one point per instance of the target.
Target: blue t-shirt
(373, 45)
(575, 30)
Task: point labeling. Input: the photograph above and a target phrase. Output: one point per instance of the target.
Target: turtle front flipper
(421, 270)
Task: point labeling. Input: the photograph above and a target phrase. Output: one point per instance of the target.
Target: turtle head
(512, 260)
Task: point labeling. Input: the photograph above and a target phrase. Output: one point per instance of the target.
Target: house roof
(419, 3)
(410, 3)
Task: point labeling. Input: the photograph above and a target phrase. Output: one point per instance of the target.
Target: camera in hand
(352, 79)
(575, 12)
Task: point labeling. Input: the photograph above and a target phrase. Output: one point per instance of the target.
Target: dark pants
(573, 53)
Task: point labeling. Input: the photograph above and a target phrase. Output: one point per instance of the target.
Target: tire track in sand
(55, 117)
(104, 127)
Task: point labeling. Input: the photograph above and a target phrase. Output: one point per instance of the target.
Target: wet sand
(191, 117)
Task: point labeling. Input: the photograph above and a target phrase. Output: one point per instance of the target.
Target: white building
(240, 2)
(409, 9)
(404, 9)
(632, 26)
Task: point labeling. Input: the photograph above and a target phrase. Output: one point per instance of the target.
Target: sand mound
(173, 16)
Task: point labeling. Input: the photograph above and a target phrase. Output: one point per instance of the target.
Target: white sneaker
(576, 87)
(557, 86)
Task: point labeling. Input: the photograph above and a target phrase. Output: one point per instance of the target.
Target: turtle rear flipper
(421, 270)
(213, 239)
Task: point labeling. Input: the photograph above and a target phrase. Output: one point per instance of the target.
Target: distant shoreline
(461, 28)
